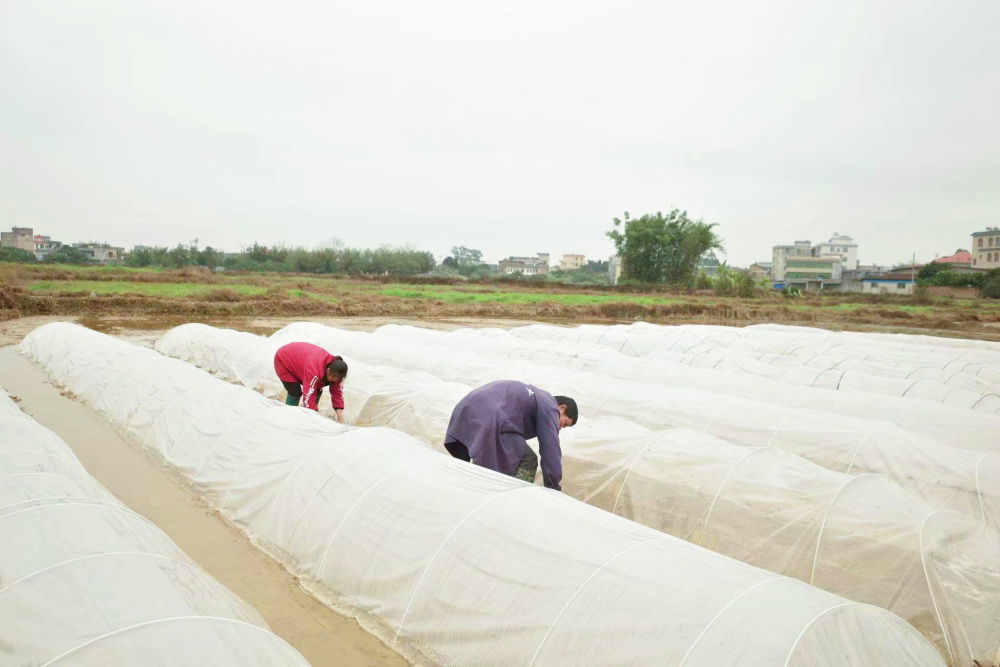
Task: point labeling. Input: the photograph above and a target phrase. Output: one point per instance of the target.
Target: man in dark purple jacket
(491, 425)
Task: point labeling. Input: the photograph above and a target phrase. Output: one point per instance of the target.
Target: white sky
(512, 127)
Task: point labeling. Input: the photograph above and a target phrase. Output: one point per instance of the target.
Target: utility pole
(913, 271)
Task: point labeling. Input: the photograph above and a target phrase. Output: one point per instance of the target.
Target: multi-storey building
(782, 253)
(813, 269)
(101, 252)
(572, 262)
(18, 237)
(842, 246)
(815, 266)
(760, 270)
(529, 266)
(45, 246)
(986, 249)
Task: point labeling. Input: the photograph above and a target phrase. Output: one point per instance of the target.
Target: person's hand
(339, 415)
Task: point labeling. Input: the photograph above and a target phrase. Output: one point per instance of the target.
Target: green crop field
(165, 290)
(501, 297)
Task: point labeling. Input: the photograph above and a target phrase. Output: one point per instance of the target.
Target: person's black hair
(571, 410)
(338, 367)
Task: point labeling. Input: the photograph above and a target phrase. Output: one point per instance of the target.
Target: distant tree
(662, 248)
(257, 253)
(479, 271)
(466, 256)
(747, 286)
(16, 255)
(702, 280)
(580, 277)
(928, 271)
(449, 263)
(942, 275)
(592, 273)
(724, 281)
(139, 257)
(397, 261)
(469, 260)
(991, 284)
(331, 259)
(155, 256)
(180, 256)
(210, 257)
(67, 255)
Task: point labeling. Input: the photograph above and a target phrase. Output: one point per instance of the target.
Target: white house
(888, 283)
(842, 246)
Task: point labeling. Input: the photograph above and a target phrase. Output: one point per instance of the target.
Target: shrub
(747, 286)
(921, 295)
(724, 281)
(991, 285)
(16, 255)
(945, 277)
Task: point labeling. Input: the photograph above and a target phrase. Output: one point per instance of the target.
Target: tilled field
(109, 297)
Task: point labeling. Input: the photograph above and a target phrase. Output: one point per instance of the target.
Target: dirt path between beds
(320, 634)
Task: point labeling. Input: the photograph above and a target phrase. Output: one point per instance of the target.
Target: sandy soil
(12, 331)
(321, 635)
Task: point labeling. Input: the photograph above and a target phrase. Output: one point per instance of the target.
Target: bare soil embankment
(160, 299)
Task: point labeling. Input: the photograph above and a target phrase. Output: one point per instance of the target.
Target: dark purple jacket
(495, 420)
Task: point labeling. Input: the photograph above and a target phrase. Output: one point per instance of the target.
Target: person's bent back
(491, 425)
(304, 369)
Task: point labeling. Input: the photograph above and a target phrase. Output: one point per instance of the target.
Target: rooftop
(962, 257)
(891, 276)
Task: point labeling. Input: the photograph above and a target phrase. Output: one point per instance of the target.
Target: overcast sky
(513, 127)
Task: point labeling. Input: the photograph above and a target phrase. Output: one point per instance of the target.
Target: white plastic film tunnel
(861, 536)
(458, 563)
(86, 581)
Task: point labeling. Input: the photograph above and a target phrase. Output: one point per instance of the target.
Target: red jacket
(305, 364)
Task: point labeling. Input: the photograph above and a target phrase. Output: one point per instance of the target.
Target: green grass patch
(862, 305)
(100, 268)
(493, 296)
(166, 290)
(315, 296)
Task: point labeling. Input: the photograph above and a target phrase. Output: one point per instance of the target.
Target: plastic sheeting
(461, 563)
(950, 425)
(953, 375)
(970, 349)
(863, 536)
(84, 580)
(946, 477)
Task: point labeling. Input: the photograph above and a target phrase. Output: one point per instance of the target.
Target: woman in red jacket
(305, 369)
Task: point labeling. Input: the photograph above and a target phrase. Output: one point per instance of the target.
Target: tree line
(333, 259)
(654, 248)
(339, 260)
(941, 275)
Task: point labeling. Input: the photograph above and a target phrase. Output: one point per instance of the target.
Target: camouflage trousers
(528, 466)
